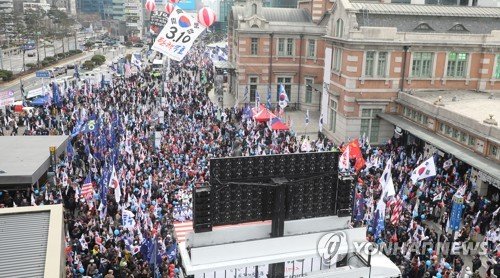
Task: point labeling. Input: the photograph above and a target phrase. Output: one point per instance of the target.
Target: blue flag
(56, 94)
(90, 126)
(269, 98)
(103, 183)
(69, 149)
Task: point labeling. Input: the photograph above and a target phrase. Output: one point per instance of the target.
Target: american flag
(396, 211)
(87, 188)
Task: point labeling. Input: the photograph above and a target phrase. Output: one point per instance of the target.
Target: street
(47, 48)
(31, 82)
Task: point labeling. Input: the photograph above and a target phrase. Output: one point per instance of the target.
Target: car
(59, 71)
(31, 54)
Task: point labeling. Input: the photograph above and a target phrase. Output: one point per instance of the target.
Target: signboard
(53, 160)
(159, 18)
(489, 179)
(7, 98)
(42, 74)
(456, 212)
(37, 92)
(178, 35)
(6, 94)
(7, 101)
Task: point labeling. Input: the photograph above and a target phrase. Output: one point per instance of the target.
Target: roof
(477, 161)
(475, 105)
(26, 158)
(223, 65)
(279, 14)
(426, 10)
(32, 241)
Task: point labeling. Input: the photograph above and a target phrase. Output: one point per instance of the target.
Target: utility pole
(37, 48)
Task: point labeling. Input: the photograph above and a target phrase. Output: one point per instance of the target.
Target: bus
(156, 68)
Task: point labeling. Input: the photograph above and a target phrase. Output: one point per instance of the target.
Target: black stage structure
(272, 187)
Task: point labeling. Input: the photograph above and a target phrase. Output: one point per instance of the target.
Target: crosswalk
(182, 229)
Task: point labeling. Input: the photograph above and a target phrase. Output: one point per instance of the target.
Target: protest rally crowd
(122, 193)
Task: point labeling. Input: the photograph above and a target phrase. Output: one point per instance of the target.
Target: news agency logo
(329, 246)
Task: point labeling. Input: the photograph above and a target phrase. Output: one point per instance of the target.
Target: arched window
(459, 28)
(423, 27)
(339, 29)
(254, 9)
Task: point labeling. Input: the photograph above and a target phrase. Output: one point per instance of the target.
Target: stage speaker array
(345, 195)
(238, 196)
(202, 207)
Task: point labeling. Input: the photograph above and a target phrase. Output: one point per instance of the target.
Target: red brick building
(375, 50)
(272, 46)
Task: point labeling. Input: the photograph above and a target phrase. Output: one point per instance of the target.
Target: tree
(6, 75)
(98, 59)
(88, 65)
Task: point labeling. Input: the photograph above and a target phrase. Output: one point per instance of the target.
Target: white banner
(7, 101)
(178, 35)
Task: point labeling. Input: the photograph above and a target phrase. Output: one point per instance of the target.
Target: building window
(442, 127)
(376, 62)
(311, 47)
(253, 88)
(337, 59)
(497, 70)
(457, 64)
(332, 117)
(255, 46)
(493, 150)
(370, 124)
(464, 137)
(289, 47)
(254, 9)
(287, 83)
(369, 63)
(456, 134)
(309, 90)
(339, 29)
(382, 64)
(472, 141)
(281, 47)
(422, 64)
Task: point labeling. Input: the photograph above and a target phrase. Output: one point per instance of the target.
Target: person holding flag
(282, 97)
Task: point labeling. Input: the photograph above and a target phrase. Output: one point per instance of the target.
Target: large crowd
(122, 192)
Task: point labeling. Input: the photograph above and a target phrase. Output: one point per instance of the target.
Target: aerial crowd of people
(123, 188)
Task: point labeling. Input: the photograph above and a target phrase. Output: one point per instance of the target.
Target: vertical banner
(178, 35)
(456, 212)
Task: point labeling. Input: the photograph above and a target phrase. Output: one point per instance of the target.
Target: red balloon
(150, 5)
(174, 1)
(206, 17)
(169, 8)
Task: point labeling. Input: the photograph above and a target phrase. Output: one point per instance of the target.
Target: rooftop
(32, 241)
(425, 10)
(26, 158)
(279, 14)
(475, 105)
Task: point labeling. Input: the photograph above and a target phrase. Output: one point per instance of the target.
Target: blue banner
(456, 212)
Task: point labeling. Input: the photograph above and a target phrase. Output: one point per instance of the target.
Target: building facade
(133, 17)
(369, 59)
(273, 46)
(90, 7)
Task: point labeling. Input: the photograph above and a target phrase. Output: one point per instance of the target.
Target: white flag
(424, 170)
(115, 184)
(178, 35)
(306, 146)
(447, 164)
(438, 197)
(128, 220)
(344, 160)
(386, 180)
